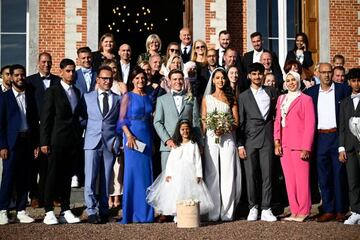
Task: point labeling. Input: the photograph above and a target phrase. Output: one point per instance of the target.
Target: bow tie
(45, 78)
(86, 70)
(177, 93)
(355, 95)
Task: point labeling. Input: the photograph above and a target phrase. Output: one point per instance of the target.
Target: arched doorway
(132, 21)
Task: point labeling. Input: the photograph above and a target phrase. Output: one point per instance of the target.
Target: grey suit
(99, 138)
(167, 116)
(352, 148)
(256, 135)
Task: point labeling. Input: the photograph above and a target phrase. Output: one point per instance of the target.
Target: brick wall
(52, 29)
(236, 23)
(209, 30)
(344, 30)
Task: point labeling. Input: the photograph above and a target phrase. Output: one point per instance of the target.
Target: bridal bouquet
(219, 121)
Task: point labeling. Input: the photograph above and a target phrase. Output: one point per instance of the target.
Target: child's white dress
(184, 166)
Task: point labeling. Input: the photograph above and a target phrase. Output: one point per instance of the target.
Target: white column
(219, 23)
(324, 31)
(71, 22)
(199, 26)
(251, 22)
(93, 24)
(282, 31)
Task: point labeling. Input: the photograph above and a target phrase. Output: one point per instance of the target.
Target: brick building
(61, 26)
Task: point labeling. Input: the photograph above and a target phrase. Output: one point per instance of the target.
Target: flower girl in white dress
(182, 178)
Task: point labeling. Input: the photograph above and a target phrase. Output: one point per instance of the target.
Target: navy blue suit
(20, 146)
(80, 82)
(331, 172)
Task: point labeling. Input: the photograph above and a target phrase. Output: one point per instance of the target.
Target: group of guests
(129, 118)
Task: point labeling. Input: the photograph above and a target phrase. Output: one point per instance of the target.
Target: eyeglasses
(174, 50)
(106, 78)
(198, 47)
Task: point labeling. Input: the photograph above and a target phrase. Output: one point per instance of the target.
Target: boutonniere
(189, 98)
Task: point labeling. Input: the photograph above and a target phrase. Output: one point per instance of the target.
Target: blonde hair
(150, 38)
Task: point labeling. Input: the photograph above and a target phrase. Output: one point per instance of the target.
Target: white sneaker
(50, 218)
(353, 219)
(74, 182)
(175, 219)
(3, 217)
(68, 217)
(253, 214)
(267, 215)
(23, 217)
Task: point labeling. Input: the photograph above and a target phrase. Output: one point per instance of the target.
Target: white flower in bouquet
(219, 121)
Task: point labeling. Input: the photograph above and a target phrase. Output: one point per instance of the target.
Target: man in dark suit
(266, 59)
(255, 141)
(6, 78)
(349, 144)
(125, 64)
(224, 43)
(18, 143)
(331, 172)
(38, 83)
(254, 55)
(231, 59)
(186, 44)
(85, 79)
(60, 137)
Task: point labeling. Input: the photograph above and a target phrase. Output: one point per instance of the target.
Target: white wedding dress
(184, 166)
(222, 168)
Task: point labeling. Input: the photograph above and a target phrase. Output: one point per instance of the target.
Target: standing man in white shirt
(125, 64)
(6, 78)
(254, 55)
(18, 144)
(255, 142)
(331, 172)
(186, 44)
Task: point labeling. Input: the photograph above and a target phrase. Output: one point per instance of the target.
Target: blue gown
(137, 165)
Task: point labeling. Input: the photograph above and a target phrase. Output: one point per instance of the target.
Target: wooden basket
(188, 214)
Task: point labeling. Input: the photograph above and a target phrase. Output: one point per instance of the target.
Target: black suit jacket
(346, 138)
(121, 73)
(248, 59)
(186, 57)
(307, 63)
(59, 125)
(37, 86)
(238, 63)
(253, 129)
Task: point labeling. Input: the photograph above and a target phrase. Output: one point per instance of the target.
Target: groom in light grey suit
(170, 108)
(101, 110)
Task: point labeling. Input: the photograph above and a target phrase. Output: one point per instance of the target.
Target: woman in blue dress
(135, 122)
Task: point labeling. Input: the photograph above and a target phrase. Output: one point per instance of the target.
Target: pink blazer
(298, 133)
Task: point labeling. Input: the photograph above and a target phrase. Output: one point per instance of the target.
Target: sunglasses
(174, 50)
(198, 47)
(106, 78)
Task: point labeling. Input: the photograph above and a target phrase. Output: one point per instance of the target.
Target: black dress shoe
(104, 219)
(93, 219)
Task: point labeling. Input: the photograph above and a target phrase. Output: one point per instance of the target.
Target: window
(13, 32)
(273, 29)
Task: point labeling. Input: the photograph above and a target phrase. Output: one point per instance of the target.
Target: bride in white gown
(222, 166)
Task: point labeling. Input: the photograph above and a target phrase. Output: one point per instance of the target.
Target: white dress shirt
(326, 108)
(101, 97)
(87, 76)
(262, 100)
(45, 81)
(221, 55)
(256, 56)
(125, 69)
(21, 102)
(178, 101)
(188, 48)
(70, 93)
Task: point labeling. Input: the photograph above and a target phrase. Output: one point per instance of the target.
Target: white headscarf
(289, 97)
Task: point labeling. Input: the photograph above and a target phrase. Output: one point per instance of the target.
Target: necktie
(105, 104)
(185, 51)
(72, 98)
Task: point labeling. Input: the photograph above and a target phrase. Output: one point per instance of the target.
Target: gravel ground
(230, 230)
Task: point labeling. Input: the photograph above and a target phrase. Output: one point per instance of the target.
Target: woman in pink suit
(293, 133)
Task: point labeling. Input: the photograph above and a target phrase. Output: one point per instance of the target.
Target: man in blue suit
(19, 129)
(331, 172)
(85, 78)
(101, 109)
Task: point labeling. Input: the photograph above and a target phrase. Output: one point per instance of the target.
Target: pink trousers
(297, 179)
